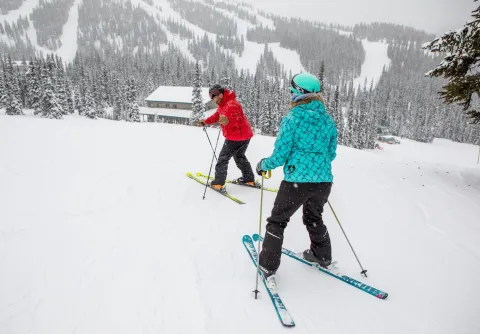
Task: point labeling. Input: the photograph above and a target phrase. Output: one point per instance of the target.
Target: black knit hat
(215, 90)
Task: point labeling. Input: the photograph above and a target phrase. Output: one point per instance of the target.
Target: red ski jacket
(238, 127)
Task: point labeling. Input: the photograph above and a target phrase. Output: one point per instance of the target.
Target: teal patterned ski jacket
(306, 143)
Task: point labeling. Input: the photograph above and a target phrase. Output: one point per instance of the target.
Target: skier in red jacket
(237, 132)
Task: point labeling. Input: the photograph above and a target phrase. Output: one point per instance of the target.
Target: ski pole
(214, 156)
(364, 271)
(265, 176)
(205, 130)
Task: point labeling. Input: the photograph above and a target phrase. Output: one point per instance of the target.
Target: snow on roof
(176, 94)
(172, 112)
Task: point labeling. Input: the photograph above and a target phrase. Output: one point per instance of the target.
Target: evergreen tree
(70, 101)
(363, 124)
(82, 91)
(117, 100)
(97, 97)
(3, 85)
(36, 87)
(226, 81)
(198, 108)
(105, 94)
(348, 135)
(337, 115)
(132, 108)
(12, 80)
(266, 112)
(22, 81)
(50, 107)
(89, 107)
(12, 106)
(462, 48)
(321, 75)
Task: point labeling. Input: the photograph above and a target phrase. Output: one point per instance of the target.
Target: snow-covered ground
(69, 35)
(376, 57)
(288, 58)
(102, 232)
(24, 10)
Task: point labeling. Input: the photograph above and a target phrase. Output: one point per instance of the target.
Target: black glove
(259, 168)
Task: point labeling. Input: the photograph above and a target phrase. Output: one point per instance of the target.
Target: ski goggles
(299, 89)
(214, 92)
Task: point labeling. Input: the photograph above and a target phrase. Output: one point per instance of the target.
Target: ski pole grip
(267, 175)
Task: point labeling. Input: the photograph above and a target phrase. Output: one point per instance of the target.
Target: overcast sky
(433, 16)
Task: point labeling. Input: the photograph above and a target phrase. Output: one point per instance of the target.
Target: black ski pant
(290, 197)
(235, 149)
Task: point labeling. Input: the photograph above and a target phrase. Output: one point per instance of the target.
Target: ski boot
(310, 257)
(269, 277)
(242, 181)
(218, 187)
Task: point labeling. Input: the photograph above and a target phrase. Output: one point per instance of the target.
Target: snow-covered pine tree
(105, 94)
(62, 94)
(372, 120)
(460, 64)
(357, 130)
(60, 86)
(12, 79)
(363, 125)
(336, 112)
(198, 108)
(36, 86)
(247, 102)
(82, 90)
(240, 88)
(9, 95)
(132, 108)
(321, 75)
(226, 80)
(70, 99)
(266, 123)
(97, 97)
(3, 91)
(117, 99)
(348, 134)
(22, 82)
(50, 107)
(29, 75)
(88, 104)
(13, 106)
(276, 107)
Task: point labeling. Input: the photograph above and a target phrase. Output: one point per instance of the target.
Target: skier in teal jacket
(306, 146)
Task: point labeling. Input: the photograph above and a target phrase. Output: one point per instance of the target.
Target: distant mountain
(159, 41)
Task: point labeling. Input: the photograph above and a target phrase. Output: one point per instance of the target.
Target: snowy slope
(69, 35)
(102, 232)
(376, 58)
(25, 10)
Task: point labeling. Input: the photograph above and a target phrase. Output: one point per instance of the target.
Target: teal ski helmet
(304, 83)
